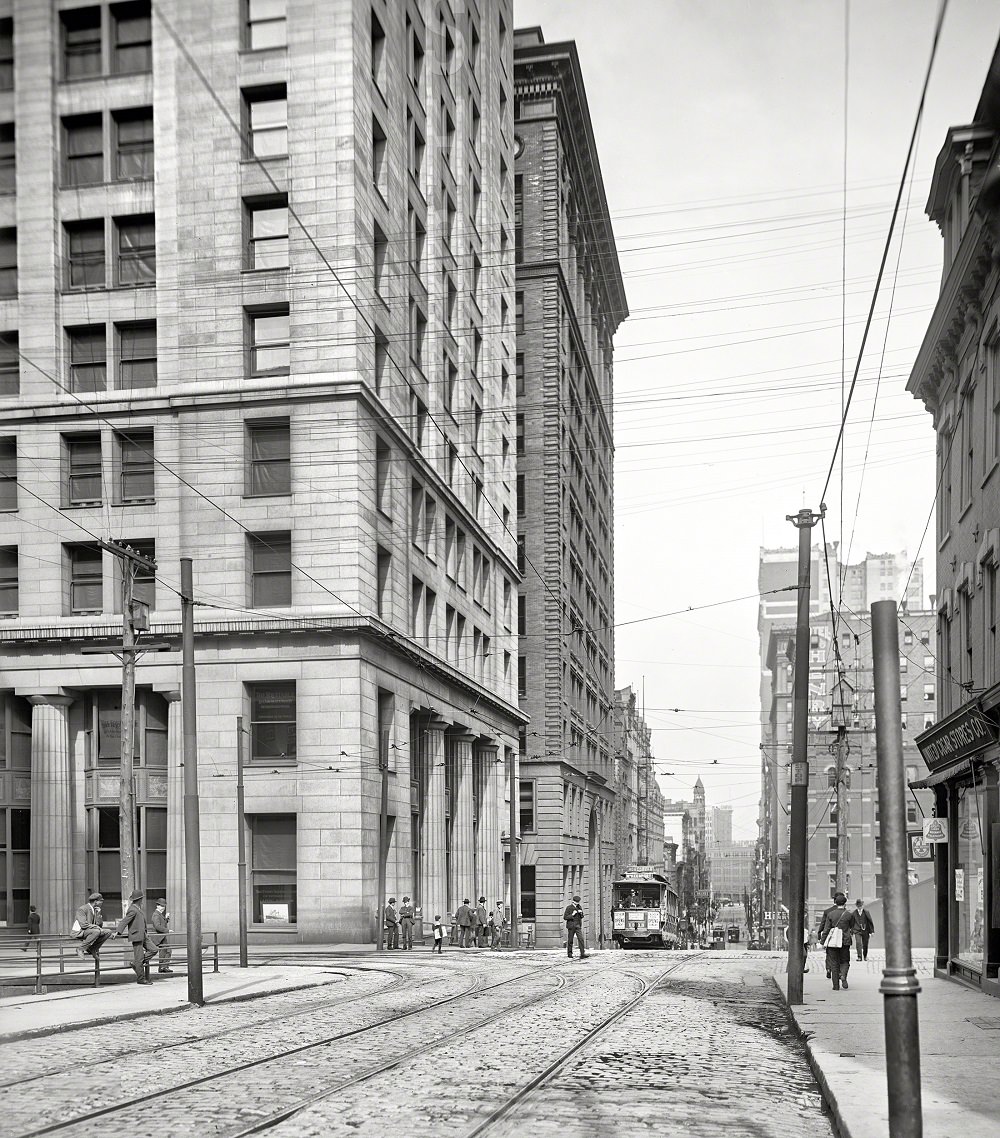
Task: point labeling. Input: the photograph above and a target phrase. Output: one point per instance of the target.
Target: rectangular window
(991, 413)
(383, 563)
(133, 140)
(85, 254)
(8, 163)
(86, 579)
(8, 474)
(273, 869)
(522, 675)
(8, 581)
(136, 239)
(378, 52)
(383, 489)
(270, 350)
(6, 55)
(967, 459)
(526, 803)
(527, 892)
(272, 721)
(267, 226)
(88, 358)
(136, 355)
(83, 150)
(379, 158)
(83, 456)
(266, 24)
(81, 43)
(381, 361)
(131, 38)
(8, 262)
(270, 570)
(266, 122)
(136, 466)
(269, 458)
(380, 254)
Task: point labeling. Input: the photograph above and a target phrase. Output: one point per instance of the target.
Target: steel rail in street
(140, 1100)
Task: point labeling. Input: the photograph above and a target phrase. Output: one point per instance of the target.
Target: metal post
(899, 978)
(515, 872)
(241, 845)
(126, 801)
(192, 836)
(383, 845)
(840, 868)
(798, 841)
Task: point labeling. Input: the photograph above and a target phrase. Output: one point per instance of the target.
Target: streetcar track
(141, 1100)
(159, 1048)
(522, 1094)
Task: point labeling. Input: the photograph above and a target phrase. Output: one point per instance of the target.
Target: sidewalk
(959, 1050)
(29, 1014)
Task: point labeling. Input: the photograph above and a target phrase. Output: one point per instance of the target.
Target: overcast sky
(720, 129)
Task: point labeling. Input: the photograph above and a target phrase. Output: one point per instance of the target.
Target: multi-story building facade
(257, 311)
(956, 374)
(684, 824)
(570, 300)
(851, 659)
(638, 811)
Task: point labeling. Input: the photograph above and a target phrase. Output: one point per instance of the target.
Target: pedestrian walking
(438, 935)
(406, 922)
(494, 928)
(573, 916)
(88, 927)
(481, 918)
(864, 926)
(835, 932)
(134, 923)
(160, 925)
(34, 927)
(391, 925)
(463, 915)
(805, 947)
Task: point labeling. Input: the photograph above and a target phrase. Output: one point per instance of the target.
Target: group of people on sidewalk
(840, 930)
(475, 927)
(148, 938)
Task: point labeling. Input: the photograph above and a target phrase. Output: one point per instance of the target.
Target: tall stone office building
(570, 300)
(257, 310)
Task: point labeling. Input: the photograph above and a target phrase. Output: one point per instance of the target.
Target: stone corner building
(570, 300)
(275, 336)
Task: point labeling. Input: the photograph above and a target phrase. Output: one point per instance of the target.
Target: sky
(727, 133)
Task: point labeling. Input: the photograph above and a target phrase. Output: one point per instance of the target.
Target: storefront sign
(964, 733)
(919, 849)
(959, 884)
(935, 830)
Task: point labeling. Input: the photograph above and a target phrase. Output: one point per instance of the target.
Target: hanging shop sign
(919, 849)
(935, 830)
(960, 735)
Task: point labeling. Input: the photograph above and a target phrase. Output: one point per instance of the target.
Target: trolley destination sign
(961, 734)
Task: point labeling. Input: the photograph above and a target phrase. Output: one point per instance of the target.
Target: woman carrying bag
(836, 932)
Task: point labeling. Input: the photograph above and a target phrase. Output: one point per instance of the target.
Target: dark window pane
(8, 262)
(83, 139)
(132, 48)
(10, 364)
(86, 579)
(8, 474)
(88, 359)
(270, 460)
(8, 168)
(134, 154)
(155, 835)
(85, 246)
(6, 55)
(8, 582)
(137, 251)
(137, 355)
(137, 466)
(272, 721)
(81, 43)
(84, 469)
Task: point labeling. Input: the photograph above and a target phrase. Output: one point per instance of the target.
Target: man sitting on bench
(92, 932)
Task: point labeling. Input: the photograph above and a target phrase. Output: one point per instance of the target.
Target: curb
(830, 1104)
(124, 1017)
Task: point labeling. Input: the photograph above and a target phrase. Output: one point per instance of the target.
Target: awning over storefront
(943, 774)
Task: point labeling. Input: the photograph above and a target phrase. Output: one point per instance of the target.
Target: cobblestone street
(624, 1043)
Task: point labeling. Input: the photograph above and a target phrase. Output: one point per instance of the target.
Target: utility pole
(241, 844)
(899, 978)
(192, 834)
(515, 873)
(840, 871)
(383, 842)
(803, 521)
(135, 618)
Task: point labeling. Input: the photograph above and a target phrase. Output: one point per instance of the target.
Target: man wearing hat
(90, 921)
(134, 922)
(160, 922)
(406, 922)
(391, 925)
(573, 916)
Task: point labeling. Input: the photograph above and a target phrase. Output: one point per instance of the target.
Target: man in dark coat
(573, 916)
(134, 923)
(92, 932)
(391, 925)
(160, 927)
(864, 926)
(835, 932)
(406, 922)
(481, 919)
(463, 918)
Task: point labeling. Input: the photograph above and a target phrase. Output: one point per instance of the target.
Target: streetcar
(643, 910)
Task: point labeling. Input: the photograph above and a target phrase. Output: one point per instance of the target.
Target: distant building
(638, 801)
(686, 820)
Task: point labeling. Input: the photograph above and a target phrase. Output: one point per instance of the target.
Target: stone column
(52, 854)
(488, 861)
(434, 869)
(176, 897)
(463, 851)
